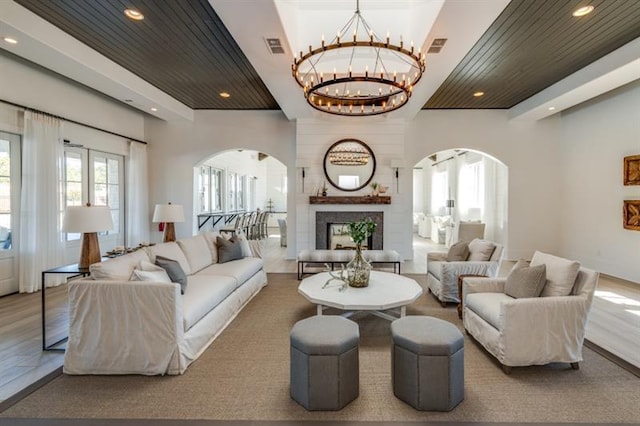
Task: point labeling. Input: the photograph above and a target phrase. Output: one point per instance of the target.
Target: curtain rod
(72, 121)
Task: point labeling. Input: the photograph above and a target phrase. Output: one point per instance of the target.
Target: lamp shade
(168, 213)
(83, 219)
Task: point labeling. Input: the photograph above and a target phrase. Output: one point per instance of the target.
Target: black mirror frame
(324, 164)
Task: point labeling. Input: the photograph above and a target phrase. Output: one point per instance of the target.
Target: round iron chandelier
(360, 75)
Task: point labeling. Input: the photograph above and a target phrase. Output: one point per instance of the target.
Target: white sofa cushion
(197, 252)
(152, 276)
(205, 293)
(481, 250)
(119, 268)
(561, 273)
(241, 270)
(487, 306)
(170, 251)
(210, 238)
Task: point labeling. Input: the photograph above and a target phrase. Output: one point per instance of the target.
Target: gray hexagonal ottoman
(427, 363)
(324, 362)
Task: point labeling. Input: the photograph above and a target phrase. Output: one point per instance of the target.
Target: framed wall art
(631, 170)
(631, 215)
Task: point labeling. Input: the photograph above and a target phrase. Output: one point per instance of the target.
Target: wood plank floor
(614, 322)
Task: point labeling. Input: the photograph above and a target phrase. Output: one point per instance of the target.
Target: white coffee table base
(386, 296)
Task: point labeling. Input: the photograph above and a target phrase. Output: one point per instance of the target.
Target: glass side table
(73, 271)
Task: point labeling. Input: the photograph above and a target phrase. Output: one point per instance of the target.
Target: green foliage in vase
(360, 231)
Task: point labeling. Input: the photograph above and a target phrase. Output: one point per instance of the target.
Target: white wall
(596, 136)
(530, 151)
(275, 190)
(31, 86)
(175, 147)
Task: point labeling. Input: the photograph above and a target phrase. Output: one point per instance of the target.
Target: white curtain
(137, 195)
(41, 244)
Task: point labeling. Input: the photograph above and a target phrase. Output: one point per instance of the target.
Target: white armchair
(532, 330)
(442, 275)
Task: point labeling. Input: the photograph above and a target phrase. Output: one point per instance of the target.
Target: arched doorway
(454, 187)
(236, 182)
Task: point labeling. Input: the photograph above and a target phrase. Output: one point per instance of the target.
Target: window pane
(217, 189)
(5, 159)
(114, 196)
(115, 216)
(100, 170)
(74, 193)
(100, 194)
(73, 167)
(5, 195)
(114, 175)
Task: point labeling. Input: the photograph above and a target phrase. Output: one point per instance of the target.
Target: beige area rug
(244, 375)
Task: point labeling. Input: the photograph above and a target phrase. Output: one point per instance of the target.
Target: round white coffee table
(385, 292)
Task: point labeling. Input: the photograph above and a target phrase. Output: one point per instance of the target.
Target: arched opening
(241, 183)
(457, 194)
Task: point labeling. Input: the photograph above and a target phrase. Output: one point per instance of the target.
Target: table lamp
(87, 220)
(168, 213)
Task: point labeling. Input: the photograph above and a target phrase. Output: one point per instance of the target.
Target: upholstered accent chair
(468, 231)
(528, 329)
(443, 269)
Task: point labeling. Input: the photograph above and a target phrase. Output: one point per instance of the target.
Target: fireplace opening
(331, 230)
(338, 238)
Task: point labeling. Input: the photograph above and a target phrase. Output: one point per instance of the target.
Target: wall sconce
(396, 164)
(303, 164)
(168, 214)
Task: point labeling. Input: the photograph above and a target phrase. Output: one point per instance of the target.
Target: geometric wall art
(631, 215)
(631, 173)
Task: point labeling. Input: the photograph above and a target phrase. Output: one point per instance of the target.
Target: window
(210, 189)
(96, 177)
(240, 191)
(231, 179)
(105, 184)
(9, 188)
(75, 161)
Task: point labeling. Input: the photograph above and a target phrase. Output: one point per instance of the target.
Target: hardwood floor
(614, 321)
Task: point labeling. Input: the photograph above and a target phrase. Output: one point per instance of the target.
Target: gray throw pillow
(174, 270)
(229, 250)
(525, 281)
(458, 252)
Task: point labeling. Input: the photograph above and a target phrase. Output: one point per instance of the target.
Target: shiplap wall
(386, 138)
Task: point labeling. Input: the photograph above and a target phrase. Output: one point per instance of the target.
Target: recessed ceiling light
(552, 108)
(154, 109)
(581, 11)
(10, 40)
(478, 94)
(225, 95)
(134, 14)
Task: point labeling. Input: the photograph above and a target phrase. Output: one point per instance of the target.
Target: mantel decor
(631, 215)
(631, 174)
(335, 199)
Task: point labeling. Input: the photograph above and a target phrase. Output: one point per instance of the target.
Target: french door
(9, 212)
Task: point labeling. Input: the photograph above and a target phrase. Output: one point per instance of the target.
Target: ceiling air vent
(437, 45)
(275, 46)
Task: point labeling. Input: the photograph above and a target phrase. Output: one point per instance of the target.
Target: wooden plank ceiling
(532, 45)
(183, 48)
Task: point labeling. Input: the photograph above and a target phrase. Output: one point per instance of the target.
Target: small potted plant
(374, 186)
(324, 189)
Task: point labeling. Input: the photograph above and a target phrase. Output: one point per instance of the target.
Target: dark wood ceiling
(183, 48)
(532, 45)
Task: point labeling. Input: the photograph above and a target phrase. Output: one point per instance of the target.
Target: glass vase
(358, 270)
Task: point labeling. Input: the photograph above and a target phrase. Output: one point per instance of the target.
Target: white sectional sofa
(120, 326)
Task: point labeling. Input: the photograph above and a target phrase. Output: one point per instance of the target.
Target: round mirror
(349, 164)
